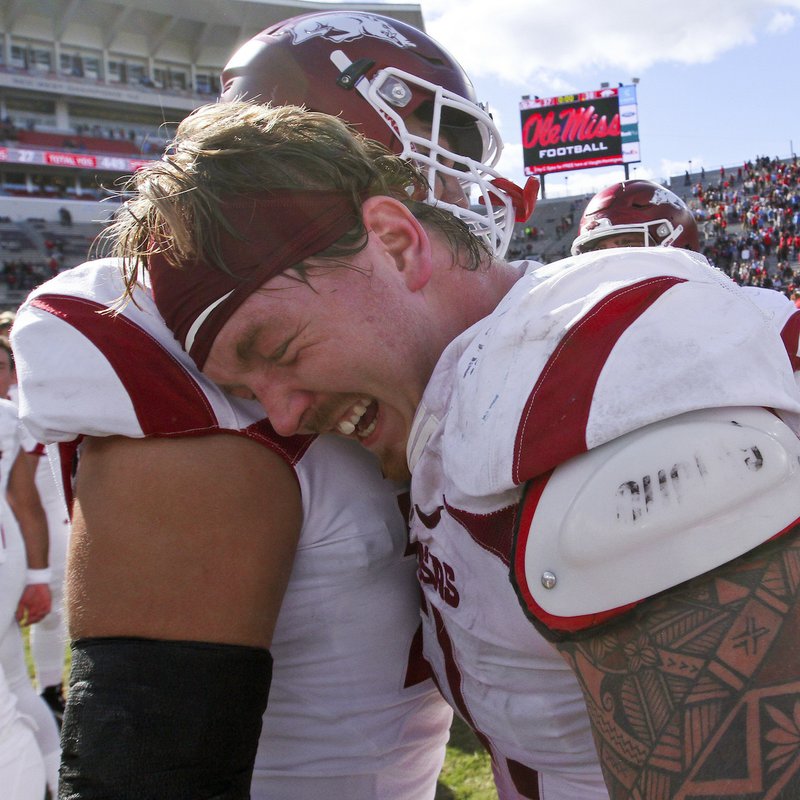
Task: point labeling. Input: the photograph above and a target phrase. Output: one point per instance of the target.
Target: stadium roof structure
(198, 31)
(91, 89)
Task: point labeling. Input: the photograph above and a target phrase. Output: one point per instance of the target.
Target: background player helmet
(637, 206)
(376, 73)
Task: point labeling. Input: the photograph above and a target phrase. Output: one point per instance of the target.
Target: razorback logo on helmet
(662, 195)
(346, 28)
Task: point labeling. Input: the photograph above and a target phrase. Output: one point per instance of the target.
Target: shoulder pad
(650, 510)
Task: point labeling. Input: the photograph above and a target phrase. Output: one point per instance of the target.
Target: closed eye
(280, 356)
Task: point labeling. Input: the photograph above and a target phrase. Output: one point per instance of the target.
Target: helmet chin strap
(351, 74)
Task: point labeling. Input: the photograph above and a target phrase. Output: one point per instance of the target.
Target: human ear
(402, 237)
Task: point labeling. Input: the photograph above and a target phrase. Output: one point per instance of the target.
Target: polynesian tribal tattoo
(697, 693)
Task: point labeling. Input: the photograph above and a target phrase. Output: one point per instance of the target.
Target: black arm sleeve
(172, 720)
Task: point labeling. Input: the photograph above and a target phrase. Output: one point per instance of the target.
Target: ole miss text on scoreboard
(592, 129)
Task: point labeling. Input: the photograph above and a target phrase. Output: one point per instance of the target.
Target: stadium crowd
(17, 274)
(751, 223)
(749, 220)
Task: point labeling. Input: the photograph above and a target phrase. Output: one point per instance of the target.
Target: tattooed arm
(696, 693)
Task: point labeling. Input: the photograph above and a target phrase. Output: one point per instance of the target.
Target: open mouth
(361, 420)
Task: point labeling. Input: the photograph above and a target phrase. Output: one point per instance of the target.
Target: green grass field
(467, 773)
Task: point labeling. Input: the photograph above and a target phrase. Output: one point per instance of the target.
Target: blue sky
(719, 79)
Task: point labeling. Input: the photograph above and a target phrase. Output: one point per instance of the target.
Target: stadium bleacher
(70, 141)
(743, 212)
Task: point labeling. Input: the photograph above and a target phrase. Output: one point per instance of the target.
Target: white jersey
(9, 448)
(10, 441)
(785, 317)
(13, 437)
(12, 572)
(578, 353)
(351, 704)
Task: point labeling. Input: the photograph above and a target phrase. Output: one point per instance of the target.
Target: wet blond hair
(227, 149)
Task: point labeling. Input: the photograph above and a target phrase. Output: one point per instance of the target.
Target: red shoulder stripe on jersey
(553, 423)
(790, 333)
(165, 397)
(291, 449)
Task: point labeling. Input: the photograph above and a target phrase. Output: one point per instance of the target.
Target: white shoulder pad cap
(654, 508)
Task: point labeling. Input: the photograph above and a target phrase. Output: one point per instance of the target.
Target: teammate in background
(638, 476)
(636, 213)
(24, 599)
(184, 578)
(48, 637)
(6, 321)
(642, 213)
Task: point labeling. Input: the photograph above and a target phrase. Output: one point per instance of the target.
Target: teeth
(367, 431)
(348, 426)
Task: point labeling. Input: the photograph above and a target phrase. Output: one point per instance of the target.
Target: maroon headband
(277, 230)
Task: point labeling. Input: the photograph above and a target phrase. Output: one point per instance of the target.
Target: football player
(640, 213)
(29, 748)
(208, 552)
(636, 213)
(603, 451)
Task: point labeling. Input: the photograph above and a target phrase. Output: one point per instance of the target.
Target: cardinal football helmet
(376, 73)
(641, 207)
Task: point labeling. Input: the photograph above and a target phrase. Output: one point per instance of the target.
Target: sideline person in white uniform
(48, 640)
(21, 763)
(24, 599)
(48, 637)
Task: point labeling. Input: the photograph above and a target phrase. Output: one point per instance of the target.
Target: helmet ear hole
(662, 231)
(395, 92)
